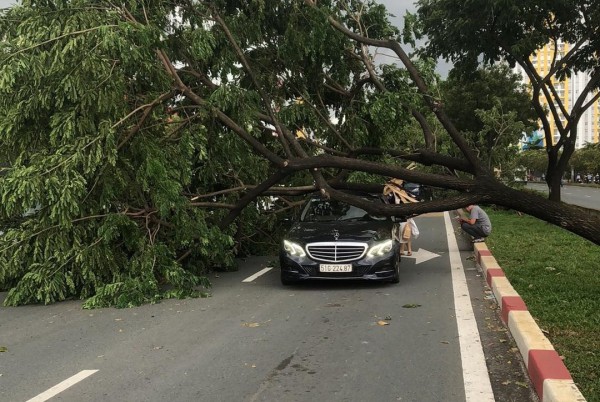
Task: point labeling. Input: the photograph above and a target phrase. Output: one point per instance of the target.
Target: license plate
(335, 267)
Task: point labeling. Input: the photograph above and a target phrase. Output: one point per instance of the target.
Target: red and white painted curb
(549, 375)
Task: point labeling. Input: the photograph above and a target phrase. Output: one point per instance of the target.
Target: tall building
(569, 90)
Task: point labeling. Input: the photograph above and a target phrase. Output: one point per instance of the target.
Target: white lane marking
(256, 275)
(57, 389)
(421, 255)
(478, 387)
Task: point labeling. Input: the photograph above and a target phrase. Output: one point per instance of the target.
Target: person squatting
(478, 225)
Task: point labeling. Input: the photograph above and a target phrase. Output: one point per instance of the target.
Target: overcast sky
(398, 8)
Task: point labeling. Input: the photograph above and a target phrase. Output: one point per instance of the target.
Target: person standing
(408, 231)
(478, 225)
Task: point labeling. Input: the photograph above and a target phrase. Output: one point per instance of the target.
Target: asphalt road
(583, 196)
(255, 340)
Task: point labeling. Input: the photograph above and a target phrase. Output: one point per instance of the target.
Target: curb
(549, 375)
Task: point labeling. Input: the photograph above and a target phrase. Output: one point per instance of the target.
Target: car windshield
(330, 210)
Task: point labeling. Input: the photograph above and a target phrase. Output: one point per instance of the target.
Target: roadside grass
(557, 274)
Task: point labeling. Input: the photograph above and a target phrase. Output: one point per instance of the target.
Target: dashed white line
(476, 378)
(57, 389)
(256, 275)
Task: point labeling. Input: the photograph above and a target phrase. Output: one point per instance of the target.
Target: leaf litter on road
(254, 324)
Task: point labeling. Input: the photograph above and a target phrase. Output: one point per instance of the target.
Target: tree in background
(533, 160)
(141, 139)
(587, 159)
(512, 31)
(492, 109)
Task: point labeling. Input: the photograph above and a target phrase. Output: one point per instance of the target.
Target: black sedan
(334, 240)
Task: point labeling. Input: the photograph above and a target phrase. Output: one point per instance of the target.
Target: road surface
(435, 336)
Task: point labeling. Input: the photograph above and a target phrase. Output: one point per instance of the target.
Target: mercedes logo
(336, 234)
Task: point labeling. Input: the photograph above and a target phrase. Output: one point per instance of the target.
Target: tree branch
(251, 195)
(421, 86)
(258, 146)
(148, 109)
(264, 96)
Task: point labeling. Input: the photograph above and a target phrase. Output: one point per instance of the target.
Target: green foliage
(513, 30)
(587, 159)
(90, 210)
(127, 134)
(484, 89)
(492, 109)
(560, 291)
(533, 160)
(101, 157)
(490, 31)
(499, 133)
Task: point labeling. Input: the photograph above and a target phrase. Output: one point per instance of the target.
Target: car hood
(311, 232)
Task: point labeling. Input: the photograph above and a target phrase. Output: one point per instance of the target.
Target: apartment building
(569, 90)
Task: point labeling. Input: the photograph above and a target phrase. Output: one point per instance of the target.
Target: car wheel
(396, 277)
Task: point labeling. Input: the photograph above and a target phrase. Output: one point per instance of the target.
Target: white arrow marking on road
(421, 255)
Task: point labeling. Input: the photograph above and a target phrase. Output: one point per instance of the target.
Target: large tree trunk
(582, 221)
(553, 173)
(558, 162)
(554, 187)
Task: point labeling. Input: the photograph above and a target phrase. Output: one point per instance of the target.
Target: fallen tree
(140, 139)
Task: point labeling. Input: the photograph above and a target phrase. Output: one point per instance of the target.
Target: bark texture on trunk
(582, 221)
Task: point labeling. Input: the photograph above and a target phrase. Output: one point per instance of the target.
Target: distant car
(335, 240)
(418, 191)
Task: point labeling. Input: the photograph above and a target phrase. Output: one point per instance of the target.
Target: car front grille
(336, 251)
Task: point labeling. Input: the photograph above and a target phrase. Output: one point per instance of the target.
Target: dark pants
(474, 230)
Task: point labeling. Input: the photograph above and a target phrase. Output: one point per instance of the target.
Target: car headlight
(381, 248)
(293, 248)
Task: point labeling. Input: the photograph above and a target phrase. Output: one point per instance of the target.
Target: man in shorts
(477, 225)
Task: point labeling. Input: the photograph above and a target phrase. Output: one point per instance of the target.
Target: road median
(549, 375)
